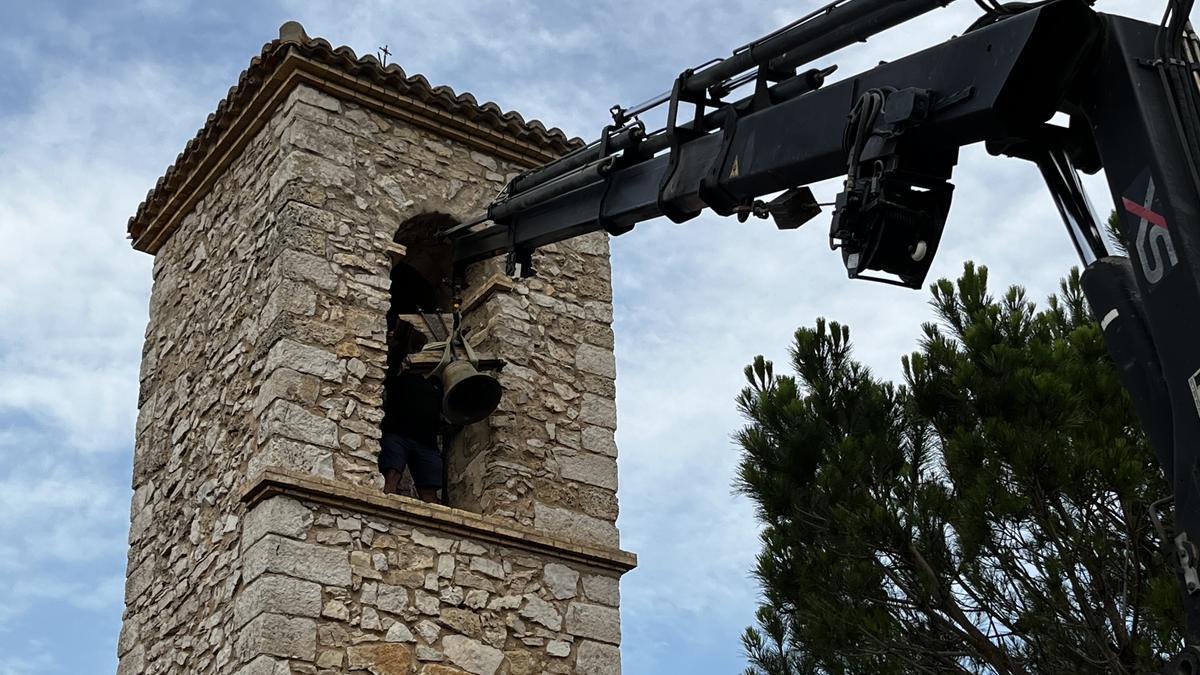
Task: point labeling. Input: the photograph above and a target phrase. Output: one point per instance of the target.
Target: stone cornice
(456, 522)
(296, 59)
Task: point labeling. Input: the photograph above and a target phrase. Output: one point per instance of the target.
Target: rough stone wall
(333, 590)
(265, 348)
(549, 460)
(195, 423)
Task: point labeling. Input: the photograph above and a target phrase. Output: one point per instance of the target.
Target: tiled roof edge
(293, 39)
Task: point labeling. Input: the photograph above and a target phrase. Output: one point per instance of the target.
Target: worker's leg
(425, 463)
(392, 458)
(391, 481)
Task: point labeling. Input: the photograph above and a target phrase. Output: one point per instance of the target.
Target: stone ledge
(496, 283)
(273, 482)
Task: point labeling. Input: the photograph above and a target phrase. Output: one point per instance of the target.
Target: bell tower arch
(303, 217)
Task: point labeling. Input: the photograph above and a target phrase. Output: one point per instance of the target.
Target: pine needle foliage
(990, 515)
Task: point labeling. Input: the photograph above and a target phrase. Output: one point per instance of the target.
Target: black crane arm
(1132, 91)
(990, 83)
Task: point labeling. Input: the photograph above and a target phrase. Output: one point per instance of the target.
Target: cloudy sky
(97, 99)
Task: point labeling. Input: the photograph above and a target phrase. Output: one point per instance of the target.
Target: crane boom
(1131, 89)
(986, 84)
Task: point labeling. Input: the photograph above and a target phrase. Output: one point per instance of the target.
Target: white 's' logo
(1154, 244)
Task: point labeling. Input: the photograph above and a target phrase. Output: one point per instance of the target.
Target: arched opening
(423, 279)
(421, 283)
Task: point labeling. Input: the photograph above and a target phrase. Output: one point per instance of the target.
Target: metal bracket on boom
(677, 135)
(1183, 553)
(712, 190)
(613, 139)
(891, 215)
(518, 262)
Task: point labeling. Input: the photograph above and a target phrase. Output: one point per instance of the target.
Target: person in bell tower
(412, 419)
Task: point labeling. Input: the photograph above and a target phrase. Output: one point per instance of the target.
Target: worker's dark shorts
(423, 461)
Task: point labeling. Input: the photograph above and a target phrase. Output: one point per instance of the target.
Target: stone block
(464, 621)
(399, 633)
(288, 385)
(393, 599)
(428, 630)
(307, 268)
(439, 544)
(538, 610)
(594, 658)
(308, 95)
(598, 470)
(476, 599)
(427, 653)
(596, 310)
(426, 603)
(312, 562)
(291, 297)
(440, 669)
(336, 610)
(522, 662)
(381, 658)
(283, 453)
(483, 160)
(291, 235)
(277, 515)
(591, 244)
(288, 420)
(265, 665)
(295, 215)
(594, 622)
(277, 595)
(601, 589)
(560, 580)
(304, 358)
(278, 635)
(330, 658)
(596, 360)
(128, 638)
(504, 602)
(370, 620)
(572, 526)
(321, 140)
(445, 566)
(469, 547)
(308, 169)
(598, 410)
(599, 439)
(138, 581)
(471, 655)
(487, 566)
(132, 662)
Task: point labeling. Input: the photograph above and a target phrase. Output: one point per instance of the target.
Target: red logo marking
(1144, 213)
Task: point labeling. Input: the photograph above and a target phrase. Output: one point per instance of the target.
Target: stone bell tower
(260, 541)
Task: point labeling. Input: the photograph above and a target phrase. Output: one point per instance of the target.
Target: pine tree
(988, 516)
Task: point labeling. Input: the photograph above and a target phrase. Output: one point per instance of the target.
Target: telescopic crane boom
(1130, 88)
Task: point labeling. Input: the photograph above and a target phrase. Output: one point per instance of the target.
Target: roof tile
(293, 38)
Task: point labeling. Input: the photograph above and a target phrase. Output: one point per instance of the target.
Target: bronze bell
(469, 394)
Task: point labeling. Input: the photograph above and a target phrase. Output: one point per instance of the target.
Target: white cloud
(75, 159)
(73, 304)
(36, 657)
